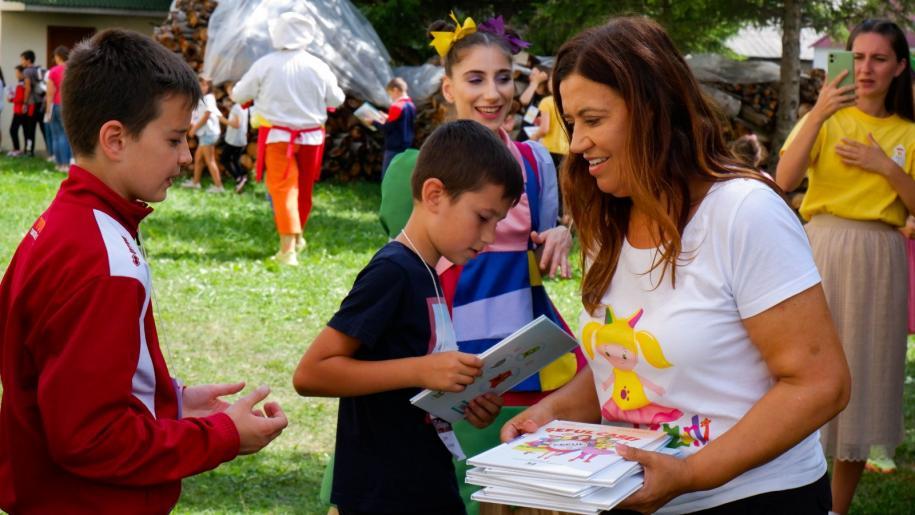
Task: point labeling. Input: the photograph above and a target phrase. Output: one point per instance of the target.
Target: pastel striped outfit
(501, 289)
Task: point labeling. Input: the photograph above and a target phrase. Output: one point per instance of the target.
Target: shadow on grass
(271, 482)
(228, 229)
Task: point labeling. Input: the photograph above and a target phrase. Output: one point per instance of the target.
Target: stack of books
(565, 466)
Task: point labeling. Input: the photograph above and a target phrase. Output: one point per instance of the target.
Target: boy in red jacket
(90, 420)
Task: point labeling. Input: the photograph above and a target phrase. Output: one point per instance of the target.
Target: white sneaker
(214, 189)
(189, 184)
(286, 258)
(300, 243)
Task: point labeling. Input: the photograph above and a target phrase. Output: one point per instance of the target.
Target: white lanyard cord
(439, 296)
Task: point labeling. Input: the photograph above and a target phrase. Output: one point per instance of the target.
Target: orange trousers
(283, 186)
(291, 186)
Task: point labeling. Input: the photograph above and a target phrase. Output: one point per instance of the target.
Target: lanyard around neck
(439, 295)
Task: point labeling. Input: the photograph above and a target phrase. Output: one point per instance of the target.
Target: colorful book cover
(505, 364)
(567, 449)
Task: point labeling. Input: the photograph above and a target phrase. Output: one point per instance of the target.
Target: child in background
(530, 99)
(16, 95)
(236, 141)
(205, 125)
(398, 129)
(550, 128)
(393, 335)
(511, 119)
(750, 151)
(91, 420)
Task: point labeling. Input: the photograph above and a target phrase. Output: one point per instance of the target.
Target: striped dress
(501, 290)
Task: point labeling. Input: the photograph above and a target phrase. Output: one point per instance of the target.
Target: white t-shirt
(290, 88)
(211, 127)
(238, 137)
(680, 359)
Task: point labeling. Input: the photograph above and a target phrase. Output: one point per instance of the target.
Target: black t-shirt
(389, 458)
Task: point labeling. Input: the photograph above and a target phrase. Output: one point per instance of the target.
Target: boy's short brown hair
(396, 83)
(466, 156)
(120, 75)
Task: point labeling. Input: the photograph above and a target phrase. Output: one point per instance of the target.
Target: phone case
(838, 61)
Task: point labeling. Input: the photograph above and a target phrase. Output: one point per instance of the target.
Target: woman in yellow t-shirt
(549, 129)
(856, 147)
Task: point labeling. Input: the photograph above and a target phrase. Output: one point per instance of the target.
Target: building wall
(20, 31)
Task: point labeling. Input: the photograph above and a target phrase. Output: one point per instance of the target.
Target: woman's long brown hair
(674, 141)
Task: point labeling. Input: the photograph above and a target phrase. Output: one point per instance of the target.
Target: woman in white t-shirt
(704, 316)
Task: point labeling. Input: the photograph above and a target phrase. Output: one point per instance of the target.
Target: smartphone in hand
(837, 61)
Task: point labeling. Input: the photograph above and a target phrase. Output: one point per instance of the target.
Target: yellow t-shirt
(555, 140)
(848, 191)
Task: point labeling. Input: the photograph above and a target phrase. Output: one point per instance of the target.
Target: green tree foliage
(402, 24)
(695, 26)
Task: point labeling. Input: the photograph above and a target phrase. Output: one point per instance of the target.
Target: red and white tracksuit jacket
(90, 420)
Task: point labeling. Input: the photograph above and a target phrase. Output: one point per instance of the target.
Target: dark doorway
(66, 36)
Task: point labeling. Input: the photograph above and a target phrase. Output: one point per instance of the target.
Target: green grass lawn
(225, 313)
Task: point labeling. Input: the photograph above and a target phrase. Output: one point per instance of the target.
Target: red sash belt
(294, 134)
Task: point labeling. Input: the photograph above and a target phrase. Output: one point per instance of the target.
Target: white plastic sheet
(422, 81)
(345, 40)
(717, 68)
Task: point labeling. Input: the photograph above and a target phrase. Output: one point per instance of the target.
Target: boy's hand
(256, 429)
(204, 400)
(527, 421)
(448, 371)
(483, 410)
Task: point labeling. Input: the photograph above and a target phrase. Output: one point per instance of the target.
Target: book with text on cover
(505, 364)
(565, 449)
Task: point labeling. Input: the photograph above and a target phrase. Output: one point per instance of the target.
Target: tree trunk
(789, 88)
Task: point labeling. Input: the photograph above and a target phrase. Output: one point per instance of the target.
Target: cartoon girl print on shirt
(619, 343)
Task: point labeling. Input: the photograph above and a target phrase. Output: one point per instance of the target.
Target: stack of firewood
(185, 30)
(760, 101)
(352, 150)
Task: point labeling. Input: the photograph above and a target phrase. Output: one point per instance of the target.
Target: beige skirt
(865, 277)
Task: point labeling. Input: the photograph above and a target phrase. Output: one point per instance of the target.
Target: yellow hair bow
(443, 41)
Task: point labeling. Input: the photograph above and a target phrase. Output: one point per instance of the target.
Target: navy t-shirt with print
(389, 458)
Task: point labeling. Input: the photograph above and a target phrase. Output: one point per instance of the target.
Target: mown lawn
(225, 313)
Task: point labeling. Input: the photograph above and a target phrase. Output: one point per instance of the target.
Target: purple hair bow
(496, 27)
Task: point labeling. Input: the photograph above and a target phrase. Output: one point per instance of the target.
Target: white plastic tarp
(422, 81)
(345, 40)
(717, 68)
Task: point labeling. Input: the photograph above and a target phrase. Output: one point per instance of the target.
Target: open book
(505, 364)
(368, 115)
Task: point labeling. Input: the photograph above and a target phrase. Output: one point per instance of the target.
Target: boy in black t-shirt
(392, 334)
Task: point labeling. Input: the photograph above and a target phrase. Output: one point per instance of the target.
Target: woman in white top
(704, 316)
